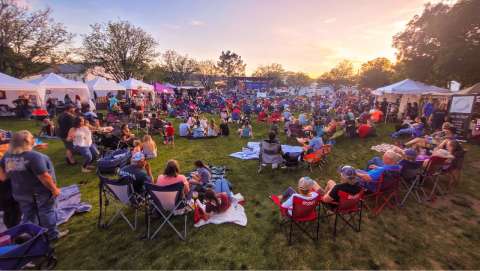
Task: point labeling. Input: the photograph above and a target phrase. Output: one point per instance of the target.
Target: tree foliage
(274, 72)
(343, 74)
(297, 79)
(230, 64)
(442, 44)
(178, 67)
(28, 41)
(155, 73)
(123, 49)
(208, 73)
(376, 73)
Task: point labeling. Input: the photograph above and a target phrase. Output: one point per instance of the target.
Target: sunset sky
(302, 35)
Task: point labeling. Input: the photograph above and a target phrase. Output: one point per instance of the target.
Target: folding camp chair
(167, 201)
(433, 170)
(318, 158)
(414, 186)
(385, 194)
(120, 193)
(349, 209)
(303, 211)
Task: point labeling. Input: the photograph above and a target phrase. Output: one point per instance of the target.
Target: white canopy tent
(11, 88)
(102, 87)
(408, 91)
(57, 87)
(137, 85)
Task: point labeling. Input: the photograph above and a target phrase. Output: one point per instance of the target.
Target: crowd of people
(312, 122)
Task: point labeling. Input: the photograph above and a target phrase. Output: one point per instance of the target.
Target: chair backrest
(434, 165)
(349, 203)
(121, 190)
(389, 180)
(165, 197)
(303, 208)
(271, 148)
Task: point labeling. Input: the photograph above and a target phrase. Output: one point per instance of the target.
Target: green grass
(440, 235)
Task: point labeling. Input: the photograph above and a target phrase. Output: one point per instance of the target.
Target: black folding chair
(166, 201)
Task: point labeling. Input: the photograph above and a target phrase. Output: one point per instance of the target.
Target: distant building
(75, 71)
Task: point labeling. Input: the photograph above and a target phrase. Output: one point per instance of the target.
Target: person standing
(65, 123)
(33, 182)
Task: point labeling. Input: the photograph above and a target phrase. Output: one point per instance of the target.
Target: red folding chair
(302, 212)
(386, 193)
(349, 209)
(318, 157)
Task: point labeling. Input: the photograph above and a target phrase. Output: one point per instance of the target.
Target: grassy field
(440, 235)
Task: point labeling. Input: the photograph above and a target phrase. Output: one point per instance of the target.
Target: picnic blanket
(382, 147)
(252, 151)
(69, 203)
(235, 214)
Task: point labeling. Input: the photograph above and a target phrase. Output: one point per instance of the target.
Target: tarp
(133, 83)
(12, 88)
(475, 89)
(102, 86)
(163, 89)
(410, 87)
(57, 87)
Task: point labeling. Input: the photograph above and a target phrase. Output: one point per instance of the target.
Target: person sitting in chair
(348, 185)
(138, 172)
(306, 187)
(271, 152)
(415, 129)
(371, 177)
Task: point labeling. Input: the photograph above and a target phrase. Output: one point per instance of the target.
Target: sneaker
(86, 170)
(62, 234)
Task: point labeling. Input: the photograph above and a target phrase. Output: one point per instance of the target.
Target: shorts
(169, 138)
(68, 144)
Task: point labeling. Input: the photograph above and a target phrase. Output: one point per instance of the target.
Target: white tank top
(83, 137)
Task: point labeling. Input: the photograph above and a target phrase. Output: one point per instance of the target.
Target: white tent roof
(101, 83)
(136, 84)
(11, 83)
(411, 87)
(54, 81)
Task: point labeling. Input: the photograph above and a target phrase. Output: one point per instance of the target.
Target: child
(137, 146)
(169, 134)
(149, 147)
(246, 131)
(48, 128)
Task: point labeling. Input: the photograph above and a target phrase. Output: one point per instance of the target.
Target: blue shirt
(428, 109)
(198, 132)
(376, 173)
(316, 143)
(23, 169)
(287, 115)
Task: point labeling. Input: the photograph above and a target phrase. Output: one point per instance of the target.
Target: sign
(461, 122)
(462, 104)
(261, 95)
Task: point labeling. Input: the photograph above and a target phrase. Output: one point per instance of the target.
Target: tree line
(437, 46)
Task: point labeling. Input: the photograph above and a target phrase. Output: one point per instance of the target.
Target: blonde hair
(149, 143)
(22, 141)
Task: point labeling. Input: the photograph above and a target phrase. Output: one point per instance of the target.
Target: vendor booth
(134, 87)
(464, 112)
(407, 91)
(57, 87)
(100, 87)
(163, 89)
(13, 89)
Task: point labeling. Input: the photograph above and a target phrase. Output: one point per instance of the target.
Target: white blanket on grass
(252, 151)
(235, 214)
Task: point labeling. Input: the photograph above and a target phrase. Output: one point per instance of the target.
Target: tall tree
(442, 44)
(343, 74)
(376, 73)
(208, 73)
(231, 64)
(297, 80)
(274, 72)
(123, 49)
(155, 73)
(178, 67)
(29, 42)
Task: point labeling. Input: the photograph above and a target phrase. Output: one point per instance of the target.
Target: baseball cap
(138, 156)
(347, 172)
(305, 183)
(410, 153)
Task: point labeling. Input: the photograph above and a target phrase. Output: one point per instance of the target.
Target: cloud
(196, 23)
(330, 20)
(170, 26)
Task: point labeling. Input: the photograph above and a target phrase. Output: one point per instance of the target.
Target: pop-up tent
(475, 89)
(135, 85)
(408, 91)
(163, 89)
(57, 87)
(101, 87)
(11, 88)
